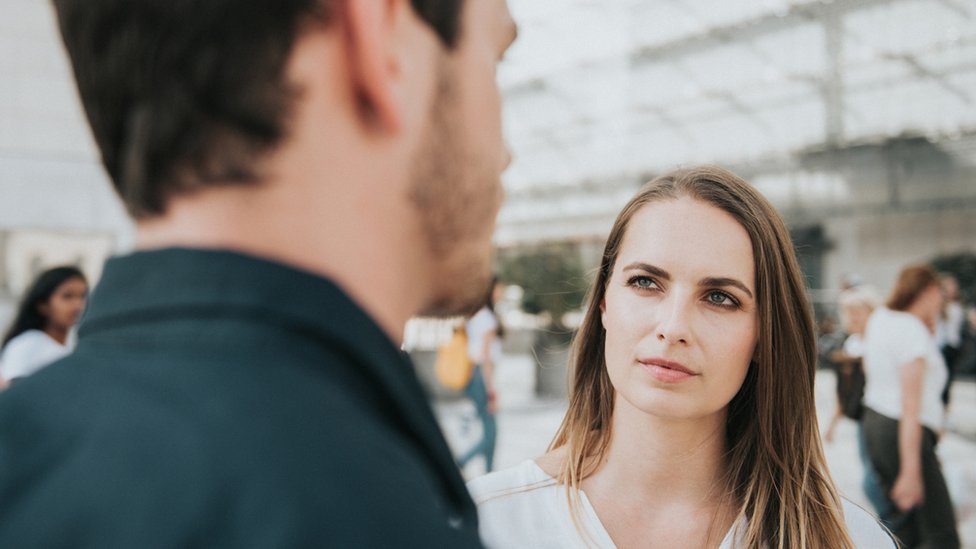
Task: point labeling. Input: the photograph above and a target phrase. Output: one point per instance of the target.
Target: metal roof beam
(741, 31)
(924, 72)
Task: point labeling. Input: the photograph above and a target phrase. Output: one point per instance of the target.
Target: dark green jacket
(218, 400)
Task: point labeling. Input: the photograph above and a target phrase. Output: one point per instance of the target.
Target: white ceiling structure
(601, 93)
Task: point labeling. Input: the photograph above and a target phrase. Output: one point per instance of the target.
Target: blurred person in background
(849, 281)
(903, 411)
(830, 339)
(856, 305)
(967, 360)
(691, 419)
(41, 330)
(485, 332)
(949, 331)
(304, 176)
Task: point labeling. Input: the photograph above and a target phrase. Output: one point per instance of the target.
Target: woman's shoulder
(523, 506)
(889, 318)
(888, 328)
(30, 343)
(30, 338)
(864, 528)
(483, 319)
(520, 479)
(27, 352)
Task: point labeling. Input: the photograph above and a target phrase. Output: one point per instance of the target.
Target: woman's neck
(926, 316)
(663, 479)
(651, 456)
(57, 333)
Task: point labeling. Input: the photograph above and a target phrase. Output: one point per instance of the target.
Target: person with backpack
(484, 333)
(856, 305)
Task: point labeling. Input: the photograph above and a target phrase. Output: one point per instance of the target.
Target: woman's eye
(642, 282)
(721, 299)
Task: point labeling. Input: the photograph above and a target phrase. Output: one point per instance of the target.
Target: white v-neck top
(523, 507)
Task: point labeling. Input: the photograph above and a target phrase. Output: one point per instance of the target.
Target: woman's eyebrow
(651, 269)
(725, 281)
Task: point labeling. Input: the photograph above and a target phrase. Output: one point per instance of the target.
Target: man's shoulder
(79, 413)
(109, 447)
(131, 404)
(75, 452)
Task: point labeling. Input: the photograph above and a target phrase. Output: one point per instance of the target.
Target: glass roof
(599, 95)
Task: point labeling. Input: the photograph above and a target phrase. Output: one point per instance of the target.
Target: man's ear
(370, 34)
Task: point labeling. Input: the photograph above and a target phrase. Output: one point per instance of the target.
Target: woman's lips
(667, 371)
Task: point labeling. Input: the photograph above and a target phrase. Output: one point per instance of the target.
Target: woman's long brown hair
(776, 471)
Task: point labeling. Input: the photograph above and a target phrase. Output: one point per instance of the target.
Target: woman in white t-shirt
(484, 333)
(903, 411)
(40, 331)
(691, 420)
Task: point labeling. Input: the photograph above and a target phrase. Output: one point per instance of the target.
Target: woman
(39, 334)
(484, 333)
(691, 418)
(903, 410)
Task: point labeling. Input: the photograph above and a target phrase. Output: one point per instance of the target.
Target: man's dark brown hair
(182, 94)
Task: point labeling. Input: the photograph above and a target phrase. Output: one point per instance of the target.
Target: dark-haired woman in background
(903, 410)
(39, 334)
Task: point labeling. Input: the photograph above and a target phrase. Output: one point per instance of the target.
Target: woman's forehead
(689, 235)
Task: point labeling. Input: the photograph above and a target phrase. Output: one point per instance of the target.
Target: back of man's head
(182, 94)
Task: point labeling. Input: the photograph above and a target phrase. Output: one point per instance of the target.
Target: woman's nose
(673, 327)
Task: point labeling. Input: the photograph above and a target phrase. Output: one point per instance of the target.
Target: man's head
(345, 136)
(182, 94)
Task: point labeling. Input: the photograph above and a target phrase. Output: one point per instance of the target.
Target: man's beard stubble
(456, 194)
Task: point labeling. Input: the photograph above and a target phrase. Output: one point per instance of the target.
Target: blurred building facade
(856, 117)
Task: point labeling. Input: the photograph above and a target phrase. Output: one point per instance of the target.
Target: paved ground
(526, 425)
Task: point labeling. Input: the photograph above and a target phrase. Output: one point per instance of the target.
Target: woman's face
(929, 303)
(679, 310)
(63, 309)
(497, 293)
